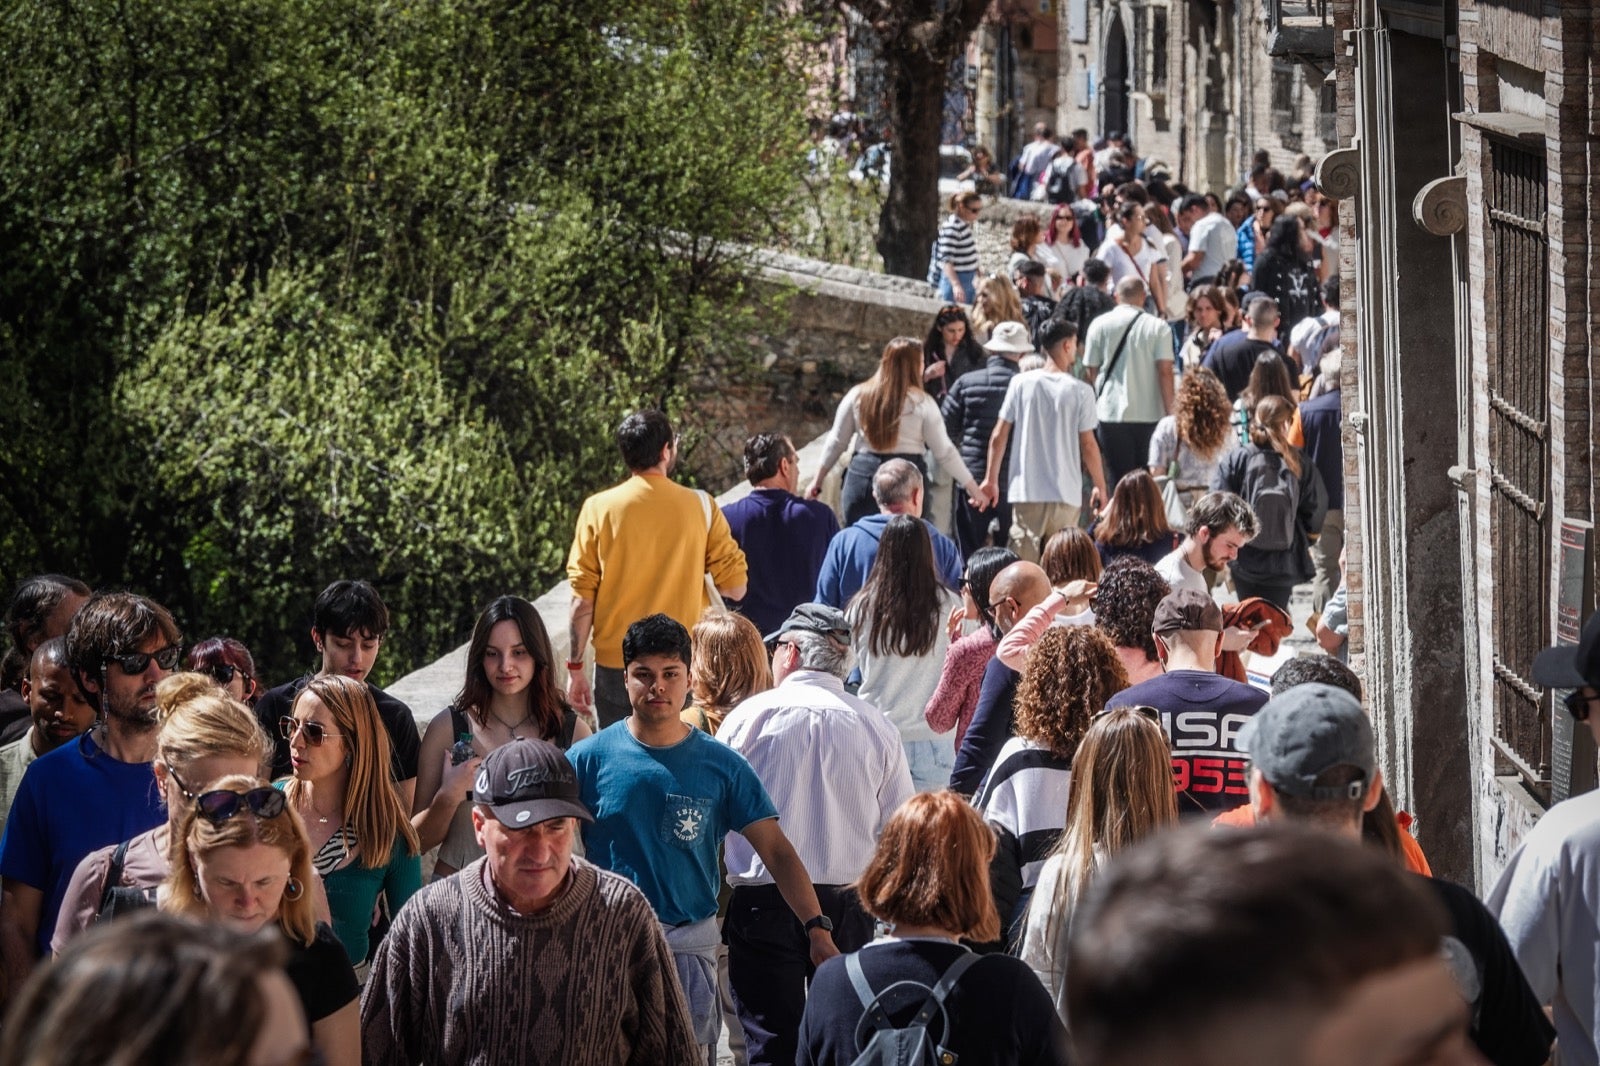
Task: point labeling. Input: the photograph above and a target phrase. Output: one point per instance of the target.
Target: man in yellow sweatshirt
(641, 548)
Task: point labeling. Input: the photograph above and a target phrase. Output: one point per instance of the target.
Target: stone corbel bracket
(1441, 206)
(1339, 173)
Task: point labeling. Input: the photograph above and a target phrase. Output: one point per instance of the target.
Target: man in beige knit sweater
(528, 956)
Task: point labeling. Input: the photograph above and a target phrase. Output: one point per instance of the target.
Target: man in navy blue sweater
(783, 536)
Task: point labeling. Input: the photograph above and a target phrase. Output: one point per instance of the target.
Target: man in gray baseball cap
(1313, 761)
(520, 945)
(1311, 753)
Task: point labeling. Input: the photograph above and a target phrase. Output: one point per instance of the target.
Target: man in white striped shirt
(836, 770)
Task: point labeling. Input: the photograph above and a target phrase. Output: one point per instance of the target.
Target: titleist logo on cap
(526, 776)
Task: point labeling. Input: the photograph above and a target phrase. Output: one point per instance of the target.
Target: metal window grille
(1519, 452)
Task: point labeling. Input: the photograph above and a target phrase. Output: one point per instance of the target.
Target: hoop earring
(293, 890)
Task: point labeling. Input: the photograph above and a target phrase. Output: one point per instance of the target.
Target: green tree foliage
(291, 290)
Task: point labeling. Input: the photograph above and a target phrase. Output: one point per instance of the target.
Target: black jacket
(972, 407)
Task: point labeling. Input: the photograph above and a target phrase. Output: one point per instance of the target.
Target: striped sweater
(1024, 799)
(463, 979)
(957, 246)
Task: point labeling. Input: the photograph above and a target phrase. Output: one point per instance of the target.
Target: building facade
(1199, 85)
(1470, 284)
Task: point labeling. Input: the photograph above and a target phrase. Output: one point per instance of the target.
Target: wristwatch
(821, 921)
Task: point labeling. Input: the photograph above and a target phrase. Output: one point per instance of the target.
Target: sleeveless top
(460, 846)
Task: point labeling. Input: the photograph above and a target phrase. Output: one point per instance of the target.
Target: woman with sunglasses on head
(511, 690)
(1121, 792)
(956, 697)
(362, 840)
(230, 663)
(204, 735)
(155, 990)
(241, 857)
(1070, 674)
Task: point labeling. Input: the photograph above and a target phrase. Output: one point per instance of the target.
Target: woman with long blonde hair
(997, 302)
(895, 419)
(363, 842)
(1285, 490)
(240, 856)
(1188, 444)
(730, 666)
(1121, 792)
(1069, 676)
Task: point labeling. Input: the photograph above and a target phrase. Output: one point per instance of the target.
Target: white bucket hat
(1009, 337)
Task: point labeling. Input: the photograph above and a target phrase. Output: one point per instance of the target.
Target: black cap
(528, 781)
(1572, 665)
(815, 618)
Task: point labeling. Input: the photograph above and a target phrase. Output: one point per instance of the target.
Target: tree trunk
(911, 211)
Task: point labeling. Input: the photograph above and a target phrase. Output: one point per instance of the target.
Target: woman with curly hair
(1120, 793)
(1135, 522)
(997, 302)
(1069, 676)
(1124, 605)
(1188, 444)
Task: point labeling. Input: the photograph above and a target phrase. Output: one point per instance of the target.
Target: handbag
(1171, 498)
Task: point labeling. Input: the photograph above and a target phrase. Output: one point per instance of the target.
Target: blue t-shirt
(72, 801)
(661, 813)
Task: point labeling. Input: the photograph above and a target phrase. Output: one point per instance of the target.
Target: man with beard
(1220, 523)
(643, 547)
(97, 790)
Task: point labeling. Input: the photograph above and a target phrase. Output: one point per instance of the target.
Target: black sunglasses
(224, 673)
(137, 662)
(1578, 704)
(315, 732)
(217, 807)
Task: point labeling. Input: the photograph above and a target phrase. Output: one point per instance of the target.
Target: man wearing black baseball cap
(1313, 761)
(1550, 891)
(523, 944)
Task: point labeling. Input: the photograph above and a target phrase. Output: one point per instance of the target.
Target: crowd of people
(853, 785)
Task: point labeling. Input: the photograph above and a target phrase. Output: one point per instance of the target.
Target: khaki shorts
(1032, 524)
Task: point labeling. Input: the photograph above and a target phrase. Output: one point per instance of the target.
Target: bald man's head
(1016, 590)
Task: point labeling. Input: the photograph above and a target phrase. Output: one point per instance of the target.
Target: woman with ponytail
(1286, 492)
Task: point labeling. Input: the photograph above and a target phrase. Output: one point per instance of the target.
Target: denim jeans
(931, 762)
(969, 285)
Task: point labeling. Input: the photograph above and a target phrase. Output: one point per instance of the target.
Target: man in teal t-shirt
(664, 794)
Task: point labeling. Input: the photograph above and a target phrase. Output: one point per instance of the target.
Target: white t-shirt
(1215, 236)
(1047, 410)
(1177, 572)
(1546, 901)
(1123, 265)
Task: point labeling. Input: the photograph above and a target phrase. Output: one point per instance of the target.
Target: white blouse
(921, 429)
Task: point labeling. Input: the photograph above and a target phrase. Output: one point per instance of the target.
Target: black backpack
(879, 1042)
(1274, 494)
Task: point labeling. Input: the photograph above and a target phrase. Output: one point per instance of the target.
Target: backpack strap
(119, 859)
(458, 722)
(874, 1017)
